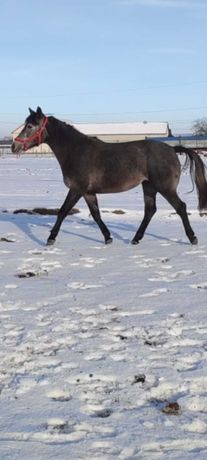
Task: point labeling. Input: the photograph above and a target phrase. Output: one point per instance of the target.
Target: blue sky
(104, 60)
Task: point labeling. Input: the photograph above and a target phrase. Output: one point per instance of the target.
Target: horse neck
(62, 138)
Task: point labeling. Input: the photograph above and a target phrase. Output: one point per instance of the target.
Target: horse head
(33, 133)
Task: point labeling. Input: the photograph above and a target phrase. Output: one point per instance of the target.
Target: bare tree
(200, 127)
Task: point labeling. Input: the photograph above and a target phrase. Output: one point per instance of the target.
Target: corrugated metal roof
(142, 128)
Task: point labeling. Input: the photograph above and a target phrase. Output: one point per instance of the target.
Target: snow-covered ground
(102, 339)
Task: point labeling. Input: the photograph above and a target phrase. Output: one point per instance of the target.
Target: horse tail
(198, 174)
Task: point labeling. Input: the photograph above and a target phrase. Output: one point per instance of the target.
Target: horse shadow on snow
(27, 223)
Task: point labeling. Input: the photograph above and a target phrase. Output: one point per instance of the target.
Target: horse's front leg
(92, 203)
(70, 201)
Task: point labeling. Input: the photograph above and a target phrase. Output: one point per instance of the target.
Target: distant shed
(112, 132)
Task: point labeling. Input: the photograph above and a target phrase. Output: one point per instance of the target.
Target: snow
(101, 339)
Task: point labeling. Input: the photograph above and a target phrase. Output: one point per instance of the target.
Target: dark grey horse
(90, 166)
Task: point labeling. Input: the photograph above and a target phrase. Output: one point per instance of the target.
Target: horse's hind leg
(92, 203)
(180, 208)
(150, 209)
(70, 201)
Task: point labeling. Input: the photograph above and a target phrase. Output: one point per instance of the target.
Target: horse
(90, 167)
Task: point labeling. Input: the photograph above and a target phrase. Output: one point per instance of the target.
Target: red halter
(37, 135)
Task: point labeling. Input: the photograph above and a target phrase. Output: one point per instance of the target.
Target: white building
(112, 132)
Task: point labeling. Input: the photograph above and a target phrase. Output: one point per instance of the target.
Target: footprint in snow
(39, 267)
(199, 286)
(83, 286)
(194, 251)
(155, 293)
(89, 381)
(11, 286)
(59, 395)
(97, 411)
(161, 276)
(89, 262)
(151, 262)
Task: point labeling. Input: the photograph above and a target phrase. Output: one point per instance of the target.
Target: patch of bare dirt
(6, 240)
(44, 211)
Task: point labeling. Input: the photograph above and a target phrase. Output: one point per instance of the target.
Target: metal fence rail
(194, 142)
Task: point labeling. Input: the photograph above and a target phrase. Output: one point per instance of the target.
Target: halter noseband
(36, 136)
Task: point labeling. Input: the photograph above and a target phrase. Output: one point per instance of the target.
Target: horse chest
(83, 184)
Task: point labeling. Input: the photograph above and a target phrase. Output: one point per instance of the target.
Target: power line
(134, 112)
(122, 90)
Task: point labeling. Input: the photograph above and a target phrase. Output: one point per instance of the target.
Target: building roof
(142, 128)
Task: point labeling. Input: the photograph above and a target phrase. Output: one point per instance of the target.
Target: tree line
(200, 127)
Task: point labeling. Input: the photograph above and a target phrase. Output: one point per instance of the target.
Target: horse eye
(29, 126)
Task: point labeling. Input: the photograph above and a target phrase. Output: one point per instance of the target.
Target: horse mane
(67, 128)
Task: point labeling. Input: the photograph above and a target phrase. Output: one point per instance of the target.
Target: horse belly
(130, 183)
(115, 185)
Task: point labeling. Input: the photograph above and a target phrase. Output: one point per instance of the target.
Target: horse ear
(39, 112)
(31, 111)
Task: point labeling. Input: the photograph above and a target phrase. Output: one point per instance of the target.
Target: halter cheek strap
(36, 136)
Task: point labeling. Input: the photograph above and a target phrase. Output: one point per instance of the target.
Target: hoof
(134, 242)
(50, 241)
(194, 240)
(109, 240)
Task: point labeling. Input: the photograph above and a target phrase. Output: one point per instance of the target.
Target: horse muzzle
(17, 147)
